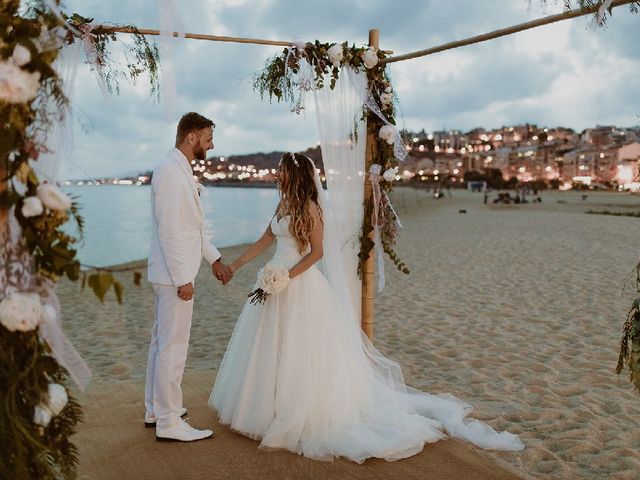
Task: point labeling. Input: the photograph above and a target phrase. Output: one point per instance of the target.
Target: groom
(178, 244)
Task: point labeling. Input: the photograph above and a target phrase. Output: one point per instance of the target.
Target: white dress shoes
(182, 432)
(150, 419)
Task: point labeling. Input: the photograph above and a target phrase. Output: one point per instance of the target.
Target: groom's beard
(199, 153)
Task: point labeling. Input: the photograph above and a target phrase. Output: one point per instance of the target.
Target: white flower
(21, 55)
(390, 174)
(58, 398)
(370, 58)
(335, 54)
(388, 133)
(32, 207)
(388, 90)
(53, 198)
(41, 415)
(386, 98)
(273, 278)
(17, 85)
(20, 311)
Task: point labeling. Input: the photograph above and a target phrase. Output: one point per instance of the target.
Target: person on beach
(299, 373)
(178, 245)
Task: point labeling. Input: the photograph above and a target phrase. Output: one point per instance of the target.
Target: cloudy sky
(567, 74)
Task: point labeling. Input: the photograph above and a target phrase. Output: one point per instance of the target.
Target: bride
(298, 372)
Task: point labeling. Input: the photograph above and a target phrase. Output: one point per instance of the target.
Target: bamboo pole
(197, 36)
(368, 270)
(502, 32)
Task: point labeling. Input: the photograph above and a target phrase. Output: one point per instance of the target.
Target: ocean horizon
(118, 218)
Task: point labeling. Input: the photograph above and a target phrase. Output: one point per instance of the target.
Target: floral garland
(141, 57)
(37, 413)
(630, 341)
(281, 80)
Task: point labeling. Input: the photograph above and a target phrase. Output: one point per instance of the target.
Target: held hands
(222, 272)
(185, 292)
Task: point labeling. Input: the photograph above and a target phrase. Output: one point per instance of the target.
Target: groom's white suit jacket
(178, 242)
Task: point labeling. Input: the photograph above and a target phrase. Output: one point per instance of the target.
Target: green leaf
(73, 271)
(119, 289)
(100, 283)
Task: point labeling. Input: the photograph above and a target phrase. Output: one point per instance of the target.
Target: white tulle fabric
(342, 140)
(299, 374)
(60, 136)
(170, 21)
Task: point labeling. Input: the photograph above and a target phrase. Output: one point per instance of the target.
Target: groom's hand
(222, 272)
(185, 292)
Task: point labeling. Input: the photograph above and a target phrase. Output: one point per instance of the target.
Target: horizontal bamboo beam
(503, 31)
(200, 36)
(197, 36)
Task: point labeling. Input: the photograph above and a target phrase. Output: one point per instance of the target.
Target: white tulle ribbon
(51, 332)
(306, 80)
(380, 201)
(376, 222)
(94, 58)
(399, 149)
(602, 11)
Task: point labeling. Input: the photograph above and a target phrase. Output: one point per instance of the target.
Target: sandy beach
(516, 309)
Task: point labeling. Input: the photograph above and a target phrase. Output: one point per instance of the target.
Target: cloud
(563, 74)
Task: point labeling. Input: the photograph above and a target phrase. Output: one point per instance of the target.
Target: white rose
(21, 55)
(41, 415)
(273, 278)
(53, 198)
(388, 90)
(370, 58)
(335, 54)
(58, 398)
(20, 311)
(32, 207)
(17, 85)
(386, 98)
(390, 174)
(388, 133)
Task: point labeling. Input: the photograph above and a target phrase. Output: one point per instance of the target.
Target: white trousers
(167, 355)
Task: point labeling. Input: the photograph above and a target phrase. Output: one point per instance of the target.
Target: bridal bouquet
(272, 278)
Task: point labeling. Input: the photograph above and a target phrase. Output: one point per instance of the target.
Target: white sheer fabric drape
(60, 137)
(170, 21)
(339, 116)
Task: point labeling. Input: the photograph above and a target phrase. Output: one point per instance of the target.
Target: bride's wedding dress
(299, 374)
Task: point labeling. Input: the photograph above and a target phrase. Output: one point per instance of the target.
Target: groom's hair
(190, 122)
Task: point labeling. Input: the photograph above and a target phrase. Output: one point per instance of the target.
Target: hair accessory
(295, 160)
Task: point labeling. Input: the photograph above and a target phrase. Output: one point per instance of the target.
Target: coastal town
(603, 157)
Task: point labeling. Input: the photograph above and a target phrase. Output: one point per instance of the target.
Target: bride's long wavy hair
(298, 194)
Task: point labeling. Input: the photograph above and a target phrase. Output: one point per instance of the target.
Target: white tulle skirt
(298, 375)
